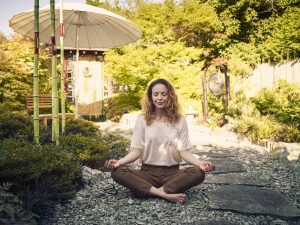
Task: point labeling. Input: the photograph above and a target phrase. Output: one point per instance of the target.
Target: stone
(216, 222)
(236, 178)
(227, 166)
(251, 200)
(212, 154)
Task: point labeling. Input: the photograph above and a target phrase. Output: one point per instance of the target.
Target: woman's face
(160, 96)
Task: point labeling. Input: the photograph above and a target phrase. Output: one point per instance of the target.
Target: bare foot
(176, 198)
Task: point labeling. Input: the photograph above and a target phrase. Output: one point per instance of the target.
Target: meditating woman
(160, 139)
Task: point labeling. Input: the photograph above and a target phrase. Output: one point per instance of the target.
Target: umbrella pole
(77, 73)
(36, 124)
(55, 121)
(62, 74)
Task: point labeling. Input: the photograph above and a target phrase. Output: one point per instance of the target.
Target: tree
(16, 70)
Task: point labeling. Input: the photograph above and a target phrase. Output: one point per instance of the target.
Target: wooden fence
(267, 74)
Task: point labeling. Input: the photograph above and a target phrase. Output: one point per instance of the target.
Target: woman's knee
(119, 172)
(197, 173)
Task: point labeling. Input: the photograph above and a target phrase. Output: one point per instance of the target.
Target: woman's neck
(160, 115)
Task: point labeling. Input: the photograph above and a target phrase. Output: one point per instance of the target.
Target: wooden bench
(45, 101)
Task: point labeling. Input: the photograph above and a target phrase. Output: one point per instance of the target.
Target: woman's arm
(187, 156)
(133, 155)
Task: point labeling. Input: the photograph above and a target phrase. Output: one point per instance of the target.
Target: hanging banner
(89, 87)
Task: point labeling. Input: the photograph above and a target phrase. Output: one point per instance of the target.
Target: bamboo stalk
(55, 120)
(62, 74)
(36, 125)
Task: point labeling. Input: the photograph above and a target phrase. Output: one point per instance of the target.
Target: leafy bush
(81, 127)
(16, 125)
(19, 125)
(118, 145)
(40, 176)
(122, 103)
(21, 161)
(12, 210)
(283, 103)
(256, 128)
(91, 151)
(266, 127)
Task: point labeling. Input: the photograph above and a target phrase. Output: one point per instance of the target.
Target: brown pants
(173, 179)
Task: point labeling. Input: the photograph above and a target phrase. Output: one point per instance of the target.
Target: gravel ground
(105, 202)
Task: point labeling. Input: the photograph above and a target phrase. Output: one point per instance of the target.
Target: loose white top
(160, 142)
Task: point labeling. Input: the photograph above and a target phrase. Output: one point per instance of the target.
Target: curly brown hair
(172, 108)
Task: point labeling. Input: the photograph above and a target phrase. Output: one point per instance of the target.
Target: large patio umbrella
(85, 27)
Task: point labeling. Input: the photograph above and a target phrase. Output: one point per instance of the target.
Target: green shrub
(12, 210)
(256, 128)
(21, 161)
(287, 133)
(81, 127)
(118, 145)
(283, 103)
(16, 125)
(19, 125)
(91, 151)
(122, 103)
(40, 176)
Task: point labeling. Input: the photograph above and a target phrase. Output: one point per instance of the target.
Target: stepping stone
(236, 178)
(252, 200)
(216, 222)
(212, 154)
(227, 166)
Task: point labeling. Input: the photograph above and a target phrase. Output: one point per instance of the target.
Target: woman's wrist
(121, 161)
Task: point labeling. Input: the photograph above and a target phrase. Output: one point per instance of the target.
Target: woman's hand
(207, 166)
(112, 164)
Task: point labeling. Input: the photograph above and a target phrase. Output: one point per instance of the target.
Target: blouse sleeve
(184, 139)
(138, 136)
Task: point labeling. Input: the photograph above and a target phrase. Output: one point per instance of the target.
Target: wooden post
(204, 89)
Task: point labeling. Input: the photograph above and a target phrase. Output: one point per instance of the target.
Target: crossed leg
(141, 183)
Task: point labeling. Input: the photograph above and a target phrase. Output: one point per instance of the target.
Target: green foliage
(278, 36)
(81, 127)
(89, 150)
(257, 127)
(118, 145)
(18, 125)
(12, 210)
(40, 176)
(283, 103)
(241, 58)
(16, 71)
(259, 117)
(122, 103)
(21, 161)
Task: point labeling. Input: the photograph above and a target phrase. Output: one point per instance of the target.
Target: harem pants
(173, 179)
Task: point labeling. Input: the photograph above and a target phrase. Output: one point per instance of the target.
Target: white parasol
(86, 27)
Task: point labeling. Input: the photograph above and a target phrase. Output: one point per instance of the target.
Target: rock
(216, 222)
(227, 166)
(88, 174)
(236, 178)
(252, 200)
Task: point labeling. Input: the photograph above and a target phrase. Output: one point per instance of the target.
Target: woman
(160, 138)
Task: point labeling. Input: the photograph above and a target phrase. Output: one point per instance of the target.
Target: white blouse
(160, 142)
